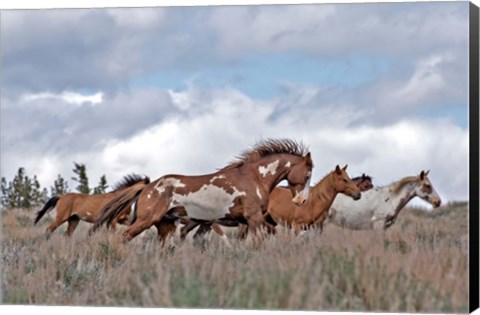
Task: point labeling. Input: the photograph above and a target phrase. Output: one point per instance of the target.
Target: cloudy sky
(382, 87)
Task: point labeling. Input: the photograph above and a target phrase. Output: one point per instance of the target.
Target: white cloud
(428, 82)
(340, 29)
(138, 18)
(268, 27)
(230, 122)
(68, 97)
(195, 131)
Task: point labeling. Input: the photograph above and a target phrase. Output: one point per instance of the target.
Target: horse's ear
(422, 175)
(338, 170)
(363, 176)
(426, 173)
(308, 159)
(345, 167)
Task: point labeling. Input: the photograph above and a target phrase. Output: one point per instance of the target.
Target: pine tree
(37, 194)
(22, 191)
(60, 187)
(6, 192)
(102, 186)
(82, 179)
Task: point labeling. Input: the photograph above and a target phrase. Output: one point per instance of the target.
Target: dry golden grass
(418, 265)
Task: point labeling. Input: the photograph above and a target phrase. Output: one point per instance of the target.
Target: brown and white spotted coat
(239, 191)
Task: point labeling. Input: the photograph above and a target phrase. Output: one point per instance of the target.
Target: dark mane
(130, 180)
(268, 147)
(367, 177)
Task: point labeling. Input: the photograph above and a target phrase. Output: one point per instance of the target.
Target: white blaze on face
(270, 168)
(288, 164)
(208, 203)
(169, 181)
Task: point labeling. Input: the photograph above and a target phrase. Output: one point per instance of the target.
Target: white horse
(380, 206)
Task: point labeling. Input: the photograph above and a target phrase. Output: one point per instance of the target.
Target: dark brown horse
(363, 182)
(73, 207)
(240, 191)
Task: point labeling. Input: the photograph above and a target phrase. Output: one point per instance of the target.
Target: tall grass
(419, 265)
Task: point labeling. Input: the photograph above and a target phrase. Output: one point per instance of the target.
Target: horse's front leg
(148, 214)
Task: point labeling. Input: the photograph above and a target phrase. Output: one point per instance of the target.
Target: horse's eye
(345, 181)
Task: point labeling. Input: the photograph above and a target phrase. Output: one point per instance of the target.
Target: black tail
(47, 207)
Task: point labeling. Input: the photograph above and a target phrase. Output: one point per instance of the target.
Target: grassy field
(418, 265)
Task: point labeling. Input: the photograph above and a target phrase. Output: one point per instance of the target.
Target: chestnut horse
(239, 191)
(314, 211)
(73, 207)
(381, 206)
(363, 182)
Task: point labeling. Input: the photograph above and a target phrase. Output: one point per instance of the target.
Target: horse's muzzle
(299, 200)
(357, 196)
(436, 203)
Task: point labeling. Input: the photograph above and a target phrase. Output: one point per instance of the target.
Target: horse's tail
(114, 208)
(51, 203)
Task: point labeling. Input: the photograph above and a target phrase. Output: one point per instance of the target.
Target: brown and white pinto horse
(363, 182)
(239, 191)
(73, 207)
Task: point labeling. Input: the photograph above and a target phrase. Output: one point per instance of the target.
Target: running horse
(316, 207)
(73, 207)
(315, 210)
(380, 207)
(240, 191)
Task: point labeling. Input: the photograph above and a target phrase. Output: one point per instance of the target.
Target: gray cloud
(228, 122)
(54, 125)
(375, 126)
(57, 50)
(341, 29)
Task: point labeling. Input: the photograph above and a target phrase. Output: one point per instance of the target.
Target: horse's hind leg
(165, 230)
(58, 221)
(202, 230)
(242, 232)
(187, 228)
(72, 225)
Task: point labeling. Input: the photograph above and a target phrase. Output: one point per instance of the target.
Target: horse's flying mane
(396, 187)
(130, 180)
(267, 147)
